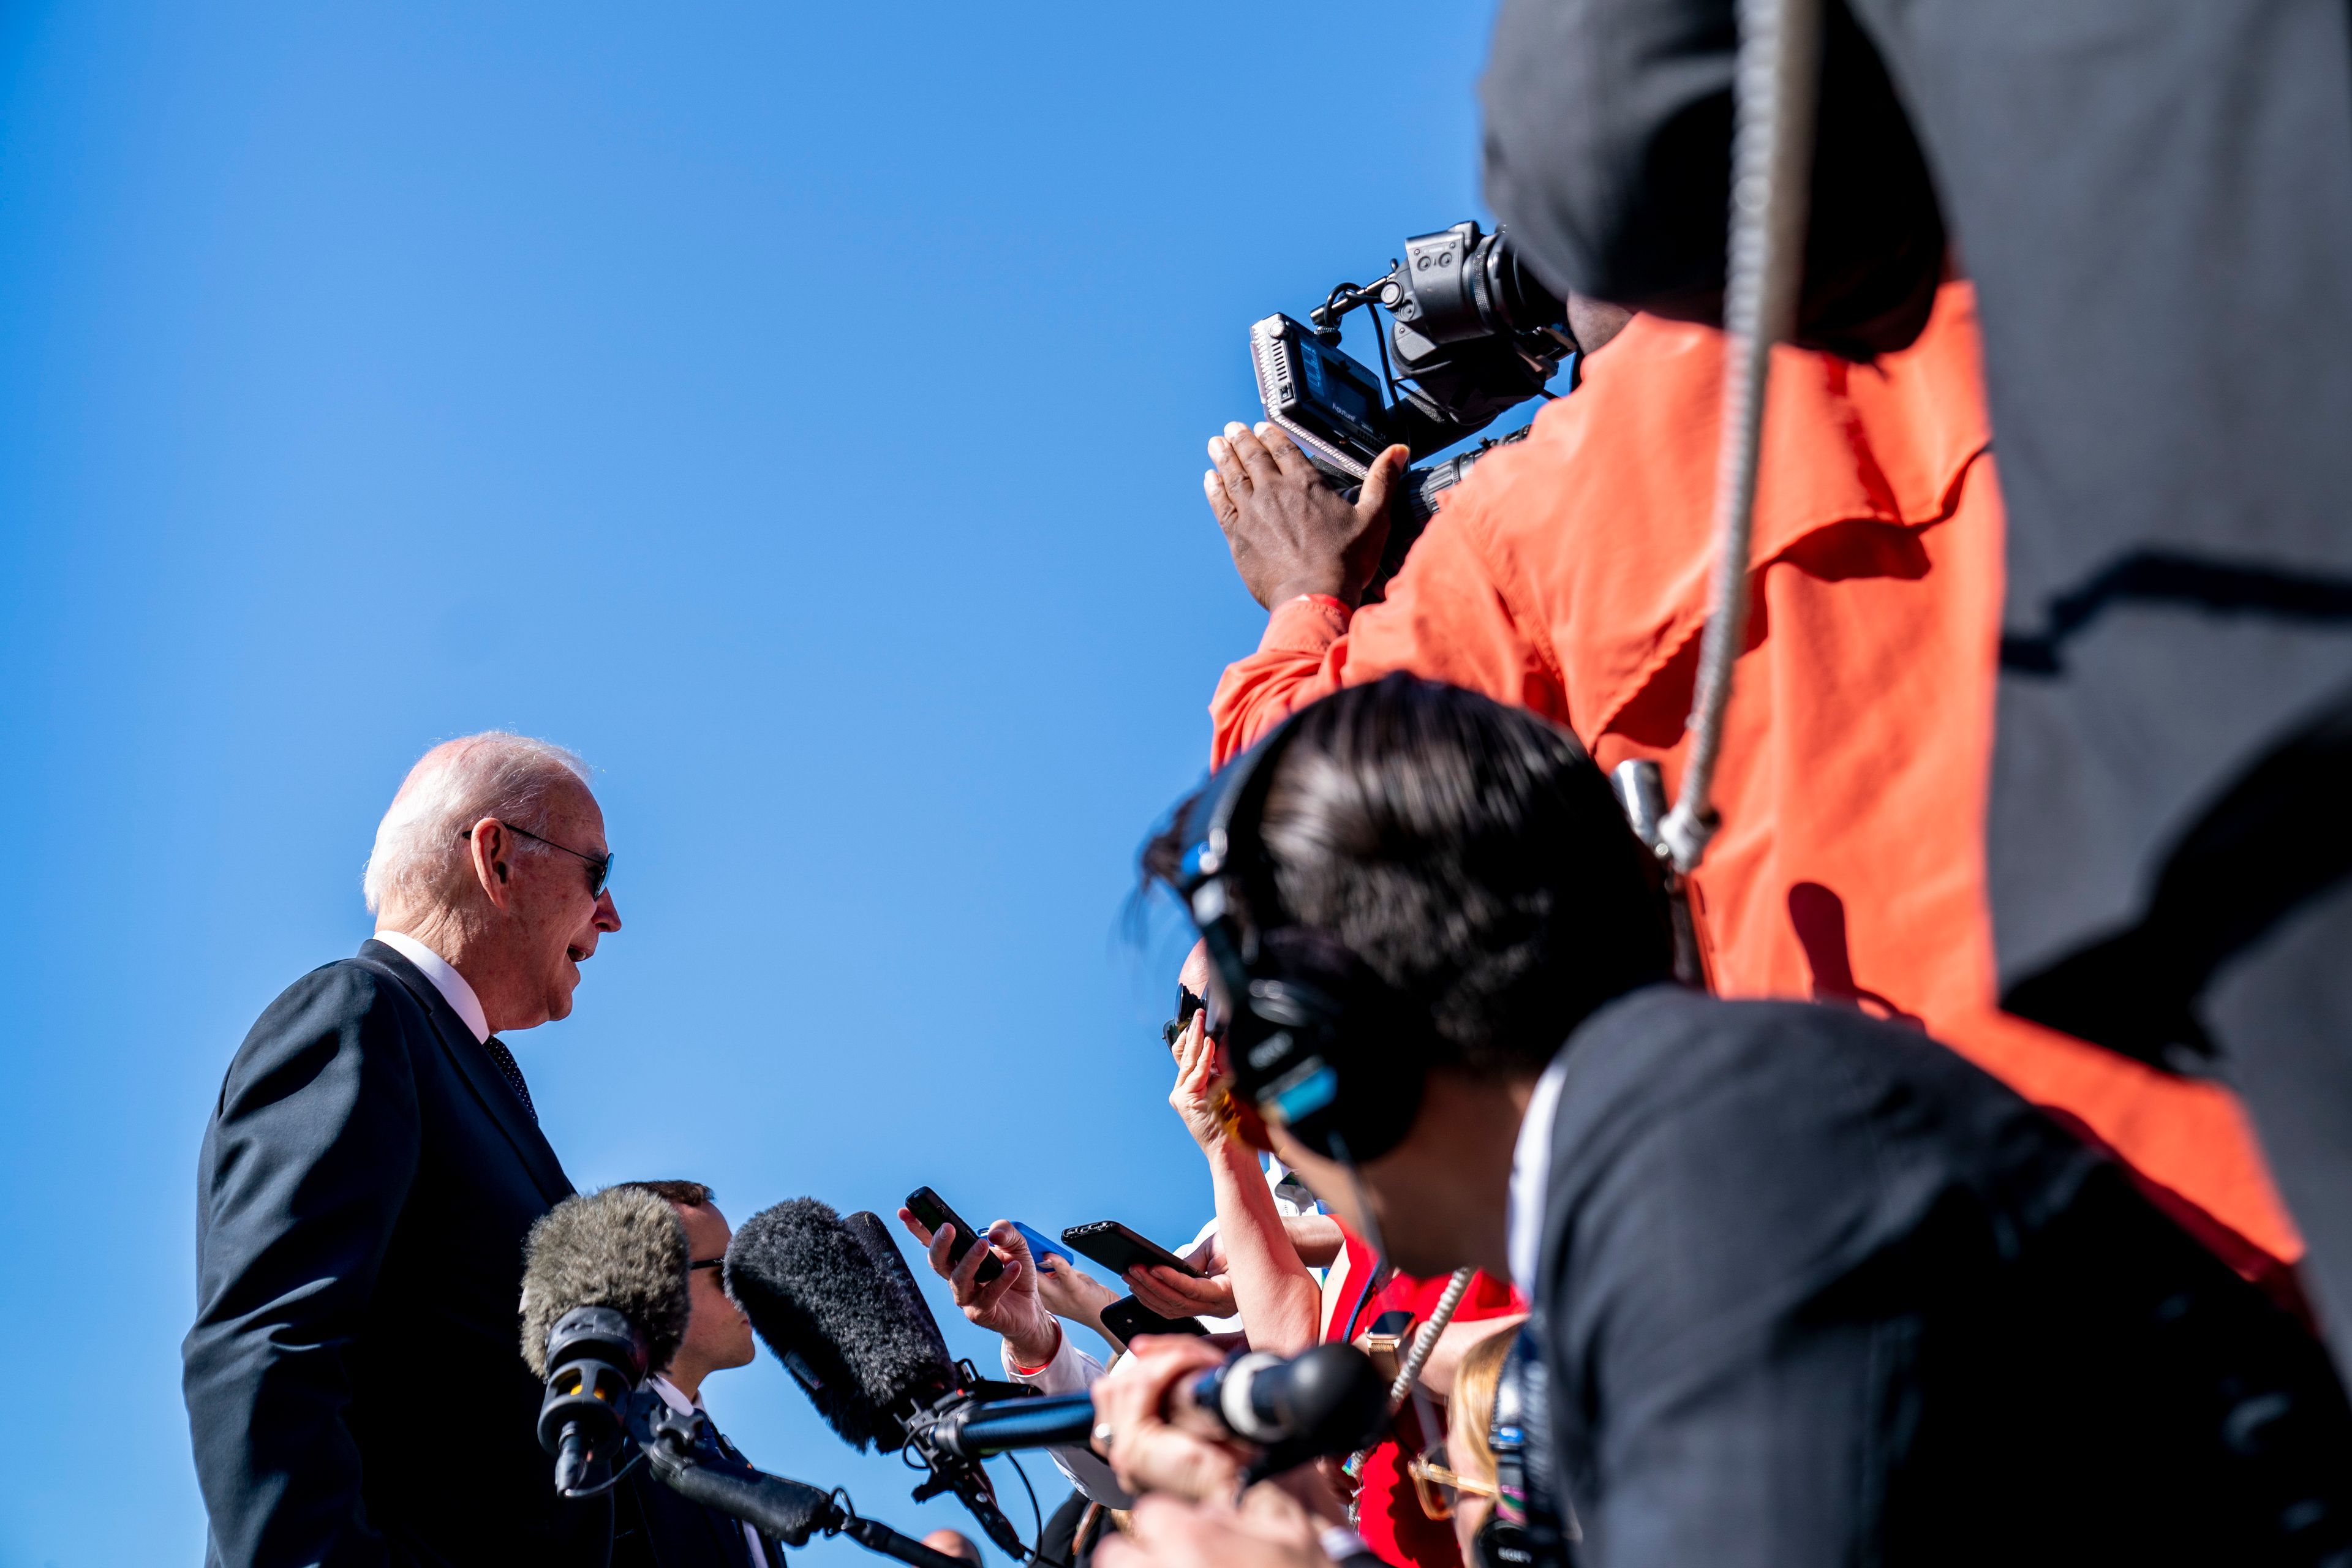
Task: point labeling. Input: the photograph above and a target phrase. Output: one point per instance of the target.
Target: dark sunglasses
(1188, 1002)
(706, 1263)
(600, 866)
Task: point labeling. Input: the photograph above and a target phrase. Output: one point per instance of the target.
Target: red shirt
(1568, 574)
(1389, 1512)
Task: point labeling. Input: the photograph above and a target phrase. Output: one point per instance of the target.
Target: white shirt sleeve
(1072, 1371)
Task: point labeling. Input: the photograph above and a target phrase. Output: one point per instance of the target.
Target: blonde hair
(1470, 1408)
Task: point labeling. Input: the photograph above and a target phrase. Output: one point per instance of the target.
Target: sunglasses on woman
(1440, 1490)
(1188, 1003)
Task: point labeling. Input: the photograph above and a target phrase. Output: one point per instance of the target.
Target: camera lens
(1513, 299)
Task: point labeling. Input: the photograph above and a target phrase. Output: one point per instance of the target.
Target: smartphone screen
(932, 1210)
(1118, 1248)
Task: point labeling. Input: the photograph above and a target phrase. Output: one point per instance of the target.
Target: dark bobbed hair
(1473, 856)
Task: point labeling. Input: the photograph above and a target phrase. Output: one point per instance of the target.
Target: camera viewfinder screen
(1337, 390)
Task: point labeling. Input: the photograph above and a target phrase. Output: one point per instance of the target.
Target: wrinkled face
(717, 1334)
(558, 920)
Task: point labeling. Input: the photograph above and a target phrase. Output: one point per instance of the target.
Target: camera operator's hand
(1290, 531)
(1008, 1304)
(1147, 1451)
(1271, 1529)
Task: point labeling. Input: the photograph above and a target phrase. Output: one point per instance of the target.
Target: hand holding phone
(1118, 1249)
(933, 1212)
(1127, 1317)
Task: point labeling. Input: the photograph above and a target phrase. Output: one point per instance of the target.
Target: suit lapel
(482, 1075)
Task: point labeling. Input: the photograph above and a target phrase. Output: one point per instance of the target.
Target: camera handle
(1413, 505)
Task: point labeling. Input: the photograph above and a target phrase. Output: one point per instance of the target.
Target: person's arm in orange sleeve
(1306, 554)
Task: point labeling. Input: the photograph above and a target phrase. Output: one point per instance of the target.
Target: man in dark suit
(654, 1527)
(1810, 1290)
(372, 1164)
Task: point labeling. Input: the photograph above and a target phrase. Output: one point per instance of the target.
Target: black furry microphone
(882, 1248)
(836, 1302)
(851, 1330)
(604, 1301)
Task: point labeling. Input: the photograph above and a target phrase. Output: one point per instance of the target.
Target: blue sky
(799, 412)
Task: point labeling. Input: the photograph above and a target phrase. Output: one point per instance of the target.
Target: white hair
(418, 857)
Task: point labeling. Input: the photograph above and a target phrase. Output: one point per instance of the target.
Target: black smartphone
(932, 1210)
(1127, 1317)
(1118, 1249)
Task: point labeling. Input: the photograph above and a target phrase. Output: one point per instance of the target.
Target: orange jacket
(1568, 574)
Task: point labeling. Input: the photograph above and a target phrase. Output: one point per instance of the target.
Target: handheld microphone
(604, 1301)
(1330, 1400)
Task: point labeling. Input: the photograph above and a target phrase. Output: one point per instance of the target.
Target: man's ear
(492, 848)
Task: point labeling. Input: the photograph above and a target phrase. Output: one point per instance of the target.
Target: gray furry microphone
(623, 1249)
(604, 1303)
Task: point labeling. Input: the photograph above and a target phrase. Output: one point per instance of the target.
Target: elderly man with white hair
(367, 1178)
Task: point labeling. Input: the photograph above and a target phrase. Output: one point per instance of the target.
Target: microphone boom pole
(789, 1511)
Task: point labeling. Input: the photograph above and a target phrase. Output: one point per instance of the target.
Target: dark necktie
(737, 1546)
(504, 1060)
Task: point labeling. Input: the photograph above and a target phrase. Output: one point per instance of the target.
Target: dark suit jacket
(1814, 1290)
(354, 1384)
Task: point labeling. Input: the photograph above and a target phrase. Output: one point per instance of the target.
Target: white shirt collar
(446, 980)
(671, 1395)
(1531, 1173)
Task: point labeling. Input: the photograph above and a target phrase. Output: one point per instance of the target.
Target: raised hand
(1008, 1304)
(1290, 531)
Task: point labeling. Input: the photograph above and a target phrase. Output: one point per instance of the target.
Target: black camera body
(1474, 335)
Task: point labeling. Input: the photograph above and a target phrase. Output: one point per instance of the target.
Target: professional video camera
(1474, 335)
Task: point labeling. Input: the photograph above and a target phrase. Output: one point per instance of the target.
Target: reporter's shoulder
(1729, 1090)
(1692, 1035)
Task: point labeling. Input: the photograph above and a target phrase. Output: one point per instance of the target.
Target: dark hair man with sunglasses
(1810, 1289)
(372, 1166)
(654, 1527)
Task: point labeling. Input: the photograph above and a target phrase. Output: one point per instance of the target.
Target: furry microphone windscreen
(882, 1248)
(623, 1248)
(839, 1324)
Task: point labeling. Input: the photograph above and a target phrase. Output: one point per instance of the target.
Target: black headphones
(1317, 1042)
